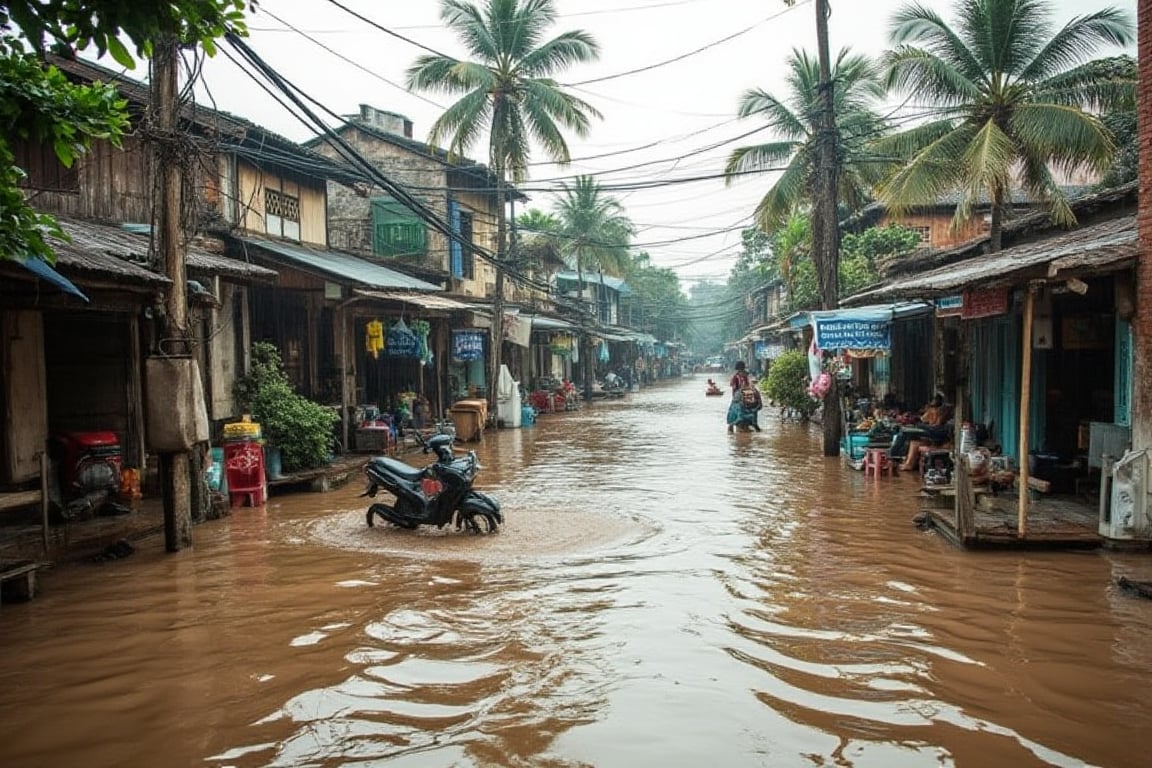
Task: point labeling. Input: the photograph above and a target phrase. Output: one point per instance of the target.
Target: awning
(1107, 246)
(423, 300)
(541, 323)
(342, 266)
(861, 327)
(44, 271)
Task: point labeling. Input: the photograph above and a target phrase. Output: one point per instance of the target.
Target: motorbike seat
(399, 468)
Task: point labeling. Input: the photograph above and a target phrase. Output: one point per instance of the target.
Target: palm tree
(508, 91)
(1011, 99)
(593, 230)
(795, 121)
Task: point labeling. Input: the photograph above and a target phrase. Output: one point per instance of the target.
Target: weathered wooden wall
(25, 410)
(250, 186)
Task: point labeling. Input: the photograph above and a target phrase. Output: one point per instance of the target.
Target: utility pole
(826, 225)
(175, 468)
(496, 158)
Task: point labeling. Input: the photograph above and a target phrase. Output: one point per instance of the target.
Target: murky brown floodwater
(664, 594)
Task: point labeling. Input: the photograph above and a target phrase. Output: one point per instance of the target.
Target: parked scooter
(433, 495)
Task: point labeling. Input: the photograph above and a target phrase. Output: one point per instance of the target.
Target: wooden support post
(44, 502)
(1025, 409)
(175, 468)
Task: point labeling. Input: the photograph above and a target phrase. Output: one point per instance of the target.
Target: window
(44, 170)
(925, 234)
(467, 256)
(281, 214)
(396, 230)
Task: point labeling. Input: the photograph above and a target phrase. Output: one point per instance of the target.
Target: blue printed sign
(846, 333)
(468, 345)
(768, 350)
(402, 342)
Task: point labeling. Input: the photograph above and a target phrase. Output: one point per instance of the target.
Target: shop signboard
(467, 345)
(768, 350)
(847, 330)
(989, 302)
(949, 306)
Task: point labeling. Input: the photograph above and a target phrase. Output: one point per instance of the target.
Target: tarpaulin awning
(44, 271)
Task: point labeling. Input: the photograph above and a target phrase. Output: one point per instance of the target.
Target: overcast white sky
(670, 122)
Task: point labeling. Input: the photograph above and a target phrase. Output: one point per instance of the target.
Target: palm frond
(519, 25)
(916, 26)
(903, 145)
(546, 108)
(469, 23)
(790, 192)
(757, 102)
(761, 157)
(1077, 40)
(575, 47)
(447, 75)
(921, 74)
(1103, 85)
(1063, 135)
(988, 159)
(461, 124)
(937, 167)
(1037, 180)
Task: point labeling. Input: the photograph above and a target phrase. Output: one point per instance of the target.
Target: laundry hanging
(374, 338)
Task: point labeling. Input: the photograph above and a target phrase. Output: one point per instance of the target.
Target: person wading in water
(746, 401)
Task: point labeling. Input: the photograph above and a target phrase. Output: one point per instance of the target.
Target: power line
(689, 54)
(367, 171)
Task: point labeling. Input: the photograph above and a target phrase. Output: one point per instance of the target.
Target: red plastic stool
(877, 462)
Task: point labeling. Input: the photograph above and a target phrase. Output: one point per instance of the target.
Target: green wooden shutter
(396, 230)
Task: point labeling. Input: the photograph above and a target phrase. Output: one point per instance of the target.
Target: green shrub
(788, 383)
(300, 428)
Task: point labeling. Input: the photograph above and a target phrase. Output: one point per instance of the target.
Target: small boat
(713, 391)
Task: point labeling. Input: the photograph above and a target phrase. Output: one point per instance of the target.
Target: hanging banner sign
(835, 331)
(402, 342)
(986, 303)
(517, 329)
(768, 350)
(468, 345)
(949, 306)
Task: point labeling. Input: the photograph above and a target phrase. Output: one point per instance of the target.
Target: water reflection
(663, 593)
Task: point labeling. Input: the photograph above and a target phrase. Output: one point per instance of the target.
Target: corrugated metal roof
(203, 259)
(106, 251)
(343, 266)
(1101, 245)
(424, 300)
(542, 323)
(595, 278)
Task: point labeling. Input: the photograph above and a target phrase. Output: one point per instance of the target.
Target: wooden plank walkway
(991, 522)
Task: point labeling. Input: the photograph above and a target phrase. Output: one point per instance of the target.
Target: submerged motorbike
(438, 494)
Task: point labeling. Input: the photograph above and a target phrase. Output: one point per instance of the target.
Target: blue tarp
(44, 271)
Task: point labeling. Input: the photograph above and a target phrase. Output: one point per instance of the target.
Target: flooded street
(663, 594)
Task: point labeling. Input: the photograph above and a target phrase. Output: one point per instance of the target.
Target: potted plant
(300, 428)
